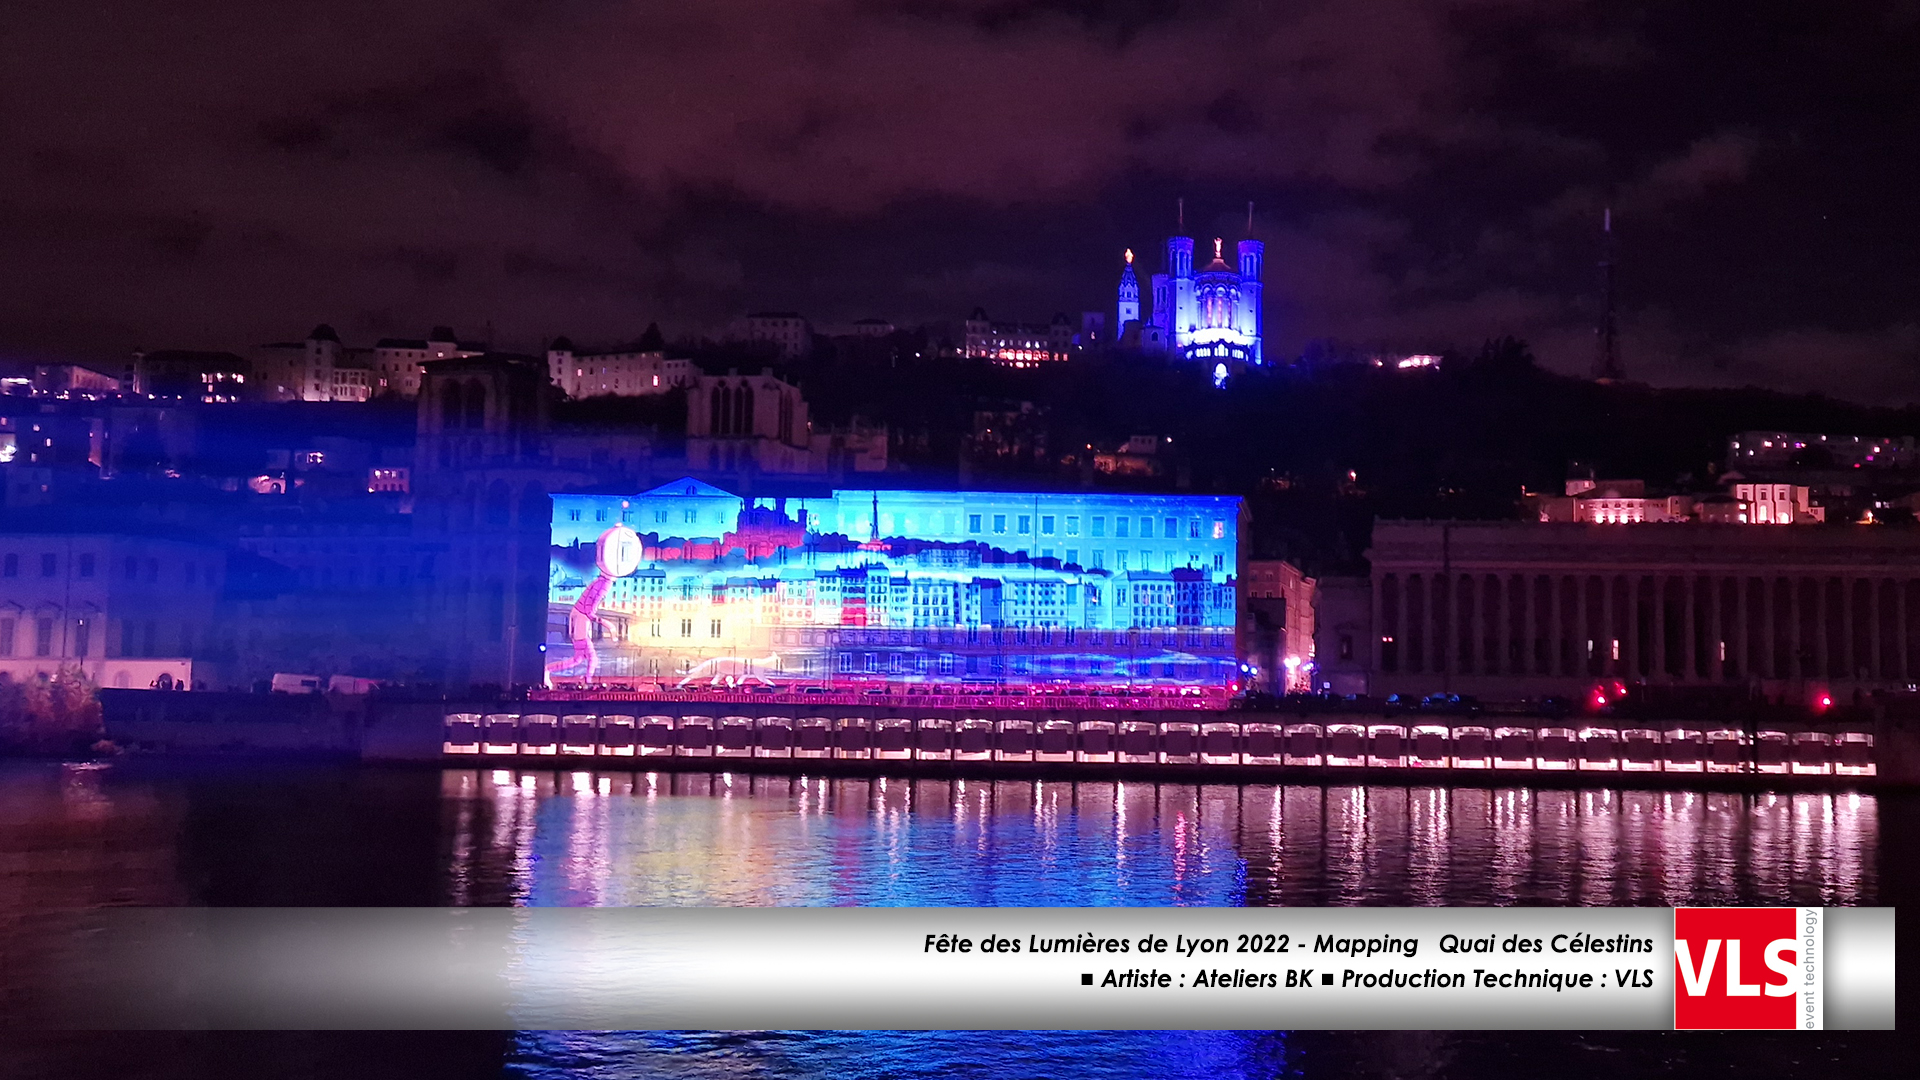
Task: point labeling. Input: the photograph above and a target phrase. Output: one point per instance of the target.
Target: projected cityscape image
(691, 584)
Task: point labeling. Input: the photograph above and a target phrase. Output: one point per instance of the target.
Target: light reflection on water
(547, 838)
(718, 839)
(161, 832)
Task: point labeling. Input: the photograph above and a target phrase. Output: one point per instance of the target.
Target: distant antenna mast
(1249, 219)
(1606, 360)
(1180, 213)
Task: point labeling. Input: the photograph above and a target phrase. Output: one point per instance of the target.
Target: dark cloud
(1427, 173)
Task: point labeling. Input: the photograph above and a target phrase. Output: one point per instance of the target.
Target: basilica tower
(1128, 310)
(1185, 316)
(1252, 254)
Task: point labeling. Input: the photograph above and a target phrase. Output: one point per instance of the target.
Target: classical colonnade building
(1510, 609)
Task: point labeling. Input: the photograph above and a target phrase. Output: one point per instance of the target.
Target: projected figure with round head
(615, 555)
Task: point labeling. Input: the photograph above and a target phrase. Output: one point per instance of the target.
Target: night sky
(220, 173)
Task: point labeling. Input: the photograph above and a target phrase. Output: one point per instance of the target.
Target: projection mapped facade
(689, 584)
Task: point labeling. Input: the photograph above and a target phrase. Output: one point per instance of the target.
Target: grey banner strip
(917, 968)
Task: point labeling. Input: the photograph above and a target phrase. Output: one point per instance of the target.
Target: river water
(171, 833)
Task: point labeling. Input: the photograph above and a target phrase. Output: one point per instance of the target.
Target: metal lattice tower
(1606, 360)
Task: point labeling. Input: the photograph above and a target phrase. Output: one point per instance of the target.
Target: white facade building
(396, 361)
(628, 371)
(124, 608)
(789, 333)
(1021, 345)
(322, 369)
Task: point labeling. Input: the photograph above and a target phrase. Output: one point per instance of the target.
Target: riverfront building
(1506, 610)
(124, 606)
(896, 586)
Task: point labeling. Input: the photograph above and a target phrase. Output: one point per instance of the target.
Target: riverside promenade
(891, 735)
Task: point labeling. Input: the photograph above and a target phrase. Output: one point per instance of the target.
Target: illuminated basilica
(1212, 317)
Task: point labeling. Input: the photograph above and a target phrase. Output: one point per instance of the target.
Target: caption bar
(974, 968)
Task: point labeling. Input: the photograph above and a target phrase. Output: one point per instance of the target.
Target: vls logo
(1742, 968)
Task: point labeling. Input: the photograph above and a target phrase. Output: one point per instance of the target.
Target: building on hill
(1211, 316)
(742, 425)
(1749, 451)
(186, 375)
(756, 422)
(1139, 456)
(399, 363)
(1626, 502)
(1761, 504)
(71, 381)
(787, 331)
(635, 370)
(1020, 345)
(321, 368)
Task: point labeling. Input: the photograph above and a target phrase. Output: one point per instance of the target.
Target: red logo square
(1736, 968)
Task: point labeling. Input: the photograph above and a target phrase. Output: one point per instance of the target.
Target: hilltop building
(1212, 316)
(321, 368)
(638, 370)
(790, 334)
(742, 425)
(1021, 345)
(1751, 450)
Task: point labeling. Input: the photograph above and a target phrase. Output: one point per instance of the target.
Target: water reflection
(732, 839)
(245, 834)
(581, 838)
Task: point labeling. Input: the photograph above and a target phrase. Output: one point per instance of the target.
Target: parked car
(286, 683)
(1451, 704)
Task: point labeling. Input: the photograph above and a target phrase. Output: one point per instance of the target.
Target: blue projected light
(690, 583)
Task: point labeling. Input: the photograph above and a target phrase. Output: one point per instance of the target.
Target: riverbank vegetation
(57, 715)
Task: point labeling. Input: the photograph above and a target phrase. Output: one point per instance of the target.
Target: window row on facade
(1668, 627)
(49, 635)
